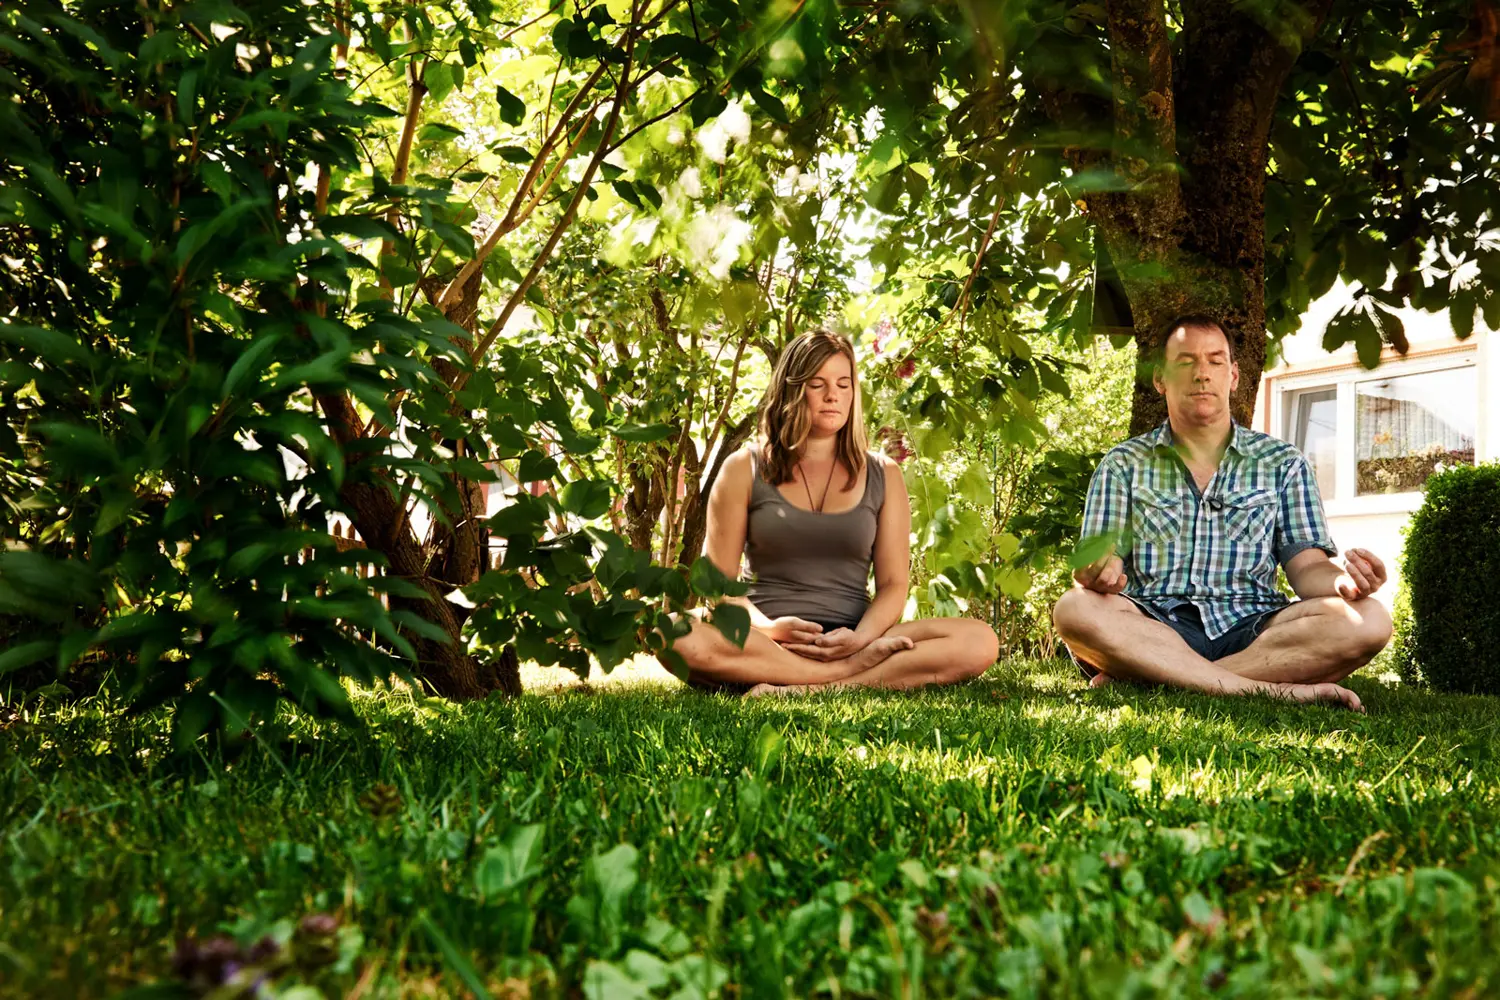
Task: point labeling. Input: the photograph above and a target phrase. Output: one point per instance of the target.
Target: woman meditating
(812, 511)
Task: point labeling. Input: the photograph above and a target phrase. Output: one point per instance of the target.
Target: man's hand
(1107, 576)
(835, 645)
(789, 630)
(1363, 574)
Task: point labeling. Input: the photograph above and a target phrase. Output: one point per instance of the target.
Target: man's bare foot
(874, 653)
(1328, 694)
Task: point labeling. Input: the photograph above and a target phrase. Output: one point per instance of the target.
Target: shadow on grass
(1017, 834)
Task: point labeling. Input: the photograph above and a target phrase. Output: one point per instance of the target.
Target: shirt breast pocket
(1250, 516)
(1157, 520)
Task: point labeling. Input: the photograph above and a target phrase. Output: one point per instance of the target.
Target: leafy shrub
(1399, 651)
(1451, 559)
(171, 312)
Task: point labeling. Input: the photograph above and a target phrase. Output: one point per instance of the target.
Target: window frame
(1343, 380)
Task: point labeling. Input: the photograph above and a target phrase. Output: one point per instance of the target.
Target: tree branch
(510, 221)
(416, 91)
(571, 212)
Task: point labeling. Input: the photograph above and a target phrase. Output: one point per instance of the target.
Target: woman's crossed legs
(911, 654)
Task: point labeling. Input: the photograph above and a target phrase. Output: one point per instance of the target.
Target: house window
(1408, 426)
(1312, 425)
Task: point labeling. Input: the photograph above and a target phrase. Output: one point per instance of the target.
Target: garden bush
(1400, 651)
(1452, 554)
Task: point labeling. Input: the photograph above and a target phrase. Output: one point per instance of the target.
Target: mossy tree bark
(1189, 122)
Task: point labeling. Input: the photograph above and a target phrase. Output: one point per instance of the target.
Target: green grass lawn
(1018, 836)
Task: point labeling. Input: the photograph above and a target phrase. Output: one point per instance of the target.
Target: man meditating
(1200, 511)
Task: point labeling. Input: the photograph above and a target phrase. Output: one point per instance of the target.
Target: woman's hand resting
(836, 645)
(789, 630)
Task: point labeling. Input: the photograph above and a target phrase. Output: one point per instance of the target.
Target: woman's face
(830, 395)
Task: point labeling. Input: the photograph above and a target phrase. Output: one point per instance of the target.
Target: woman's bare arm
(892, 557)
(728, 514)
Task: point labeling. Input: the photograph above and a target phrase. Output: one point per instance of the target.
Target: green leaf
(884, 156)
(1014, 582)
(193, 716)
(162, 47)
(768, 747)
(187, 87)
(615, 876)
(884, 193)
(644, 433)
(1461, 312)
(512, 108)
(25, 654)
(515, 154)
(249, 362)
(1392, 330)
(362, 227)
(438, 132)
(732, 621)
(562, 35)
(456, 238)
(1368, 346)
(397, 273)
(627, 193)
(438, 79)
(706, 579)
(535, 466)
(511, 863)
(770, 104)
(48, 345)
(79, 447)
(1090, 550)
(605, 981)
(686, 46)
(276, 121)
(587, 498)
(709, 104)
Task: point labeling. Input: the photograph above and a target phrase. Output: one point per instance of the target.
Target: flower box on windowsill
(1406, 473)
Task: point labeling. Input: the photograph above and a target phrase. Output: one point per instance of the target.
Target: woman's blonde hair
(785, 419)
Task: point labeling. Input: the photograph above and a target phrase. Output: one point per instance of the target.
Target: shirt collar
(1239, 441)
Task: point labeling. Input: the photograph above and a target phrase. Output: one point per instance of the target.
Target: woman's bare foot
(1100, 679)
(1328, 694)
(778, 690)
(874, 653)
(840, 670)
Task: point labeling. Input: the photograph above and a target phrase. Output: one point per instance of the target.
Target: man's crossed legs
(1300, 653)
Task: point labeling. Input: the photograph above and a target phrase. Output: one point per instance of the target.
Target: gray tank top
(814, 566)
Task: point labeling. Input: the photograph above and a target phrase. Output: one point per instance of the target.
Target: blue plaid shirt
(1218, 549)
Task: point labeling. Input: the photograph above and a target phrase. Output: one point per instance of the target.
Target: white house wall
(1377, 522)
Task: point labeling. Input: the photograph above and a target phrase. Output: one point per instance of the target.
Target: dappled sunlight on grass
(638, 671)
(1018, 822)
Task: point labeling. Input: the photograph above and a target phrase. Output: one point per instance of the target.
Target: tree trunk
(456, 557)
(644, 500)
(1192, 241)
(695, 523)
(444, 666)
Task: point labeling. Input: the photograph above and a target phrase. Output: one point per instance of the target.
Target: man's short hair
(1191, 319)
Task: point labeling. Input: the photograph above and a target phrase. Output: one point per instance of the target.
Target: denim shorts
(1186, 622)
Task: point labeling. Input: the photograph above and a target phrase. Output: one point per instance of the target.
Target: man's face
(1198, 375)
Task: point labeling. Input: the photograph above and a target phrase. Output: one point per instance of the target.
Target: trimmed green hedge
(1451, 570)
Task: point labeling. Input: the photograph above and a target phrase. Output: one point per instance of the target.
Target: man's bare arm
(1313, 574)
